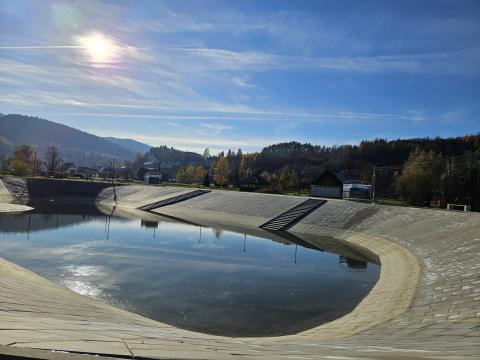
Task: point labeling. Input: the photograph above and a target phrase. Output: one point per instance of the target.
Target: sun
(98, 47)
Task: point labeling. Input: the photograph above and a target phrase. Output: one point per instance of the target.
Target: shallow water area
(197, 278)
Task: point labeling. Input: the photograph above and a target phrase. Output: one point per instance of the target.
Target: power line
(470, 156)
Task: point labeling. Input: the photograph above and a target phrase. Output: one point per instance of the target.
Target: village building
(328, 184)
(253, 183)
(68, 169)
(337, 185)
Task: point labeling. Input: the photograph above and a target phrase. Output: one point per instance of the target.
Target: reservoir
(203, 279)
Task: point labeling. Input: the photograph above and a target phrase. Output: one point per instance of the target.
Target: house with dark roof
(68, 168)
(337, 185)
(328, 184)
(253, 183)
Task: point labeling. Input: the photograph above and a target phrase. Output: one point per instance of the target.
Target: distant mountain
(75, 145)
(132, 145)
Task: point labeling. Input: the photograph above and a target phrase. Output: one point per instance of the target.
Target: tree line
(294, 166)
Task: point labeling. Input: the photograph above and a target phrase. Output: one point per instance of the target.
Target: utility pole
(34, 164)
(299, 173)
(373, 182)
(113, 170)
(478, 186)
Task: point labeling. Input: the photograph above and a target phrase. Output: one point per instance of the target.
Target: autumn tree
(199, 175)
(221, 171)
(189, 174)
(421, 175)
(180, 176)
(21, 160)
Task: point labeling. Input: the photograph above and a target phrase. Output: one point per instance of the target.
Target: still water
(201, 279)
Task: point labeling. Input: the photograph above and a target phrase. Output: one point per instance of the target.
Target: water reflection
(353, 264)
(193, 277)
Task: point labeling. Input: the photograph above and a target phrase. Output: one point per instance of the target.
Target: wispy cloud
(41, 47)
(216, 65)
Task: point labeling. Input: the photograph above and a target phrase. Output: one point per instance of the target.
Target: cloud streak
(293, 71)
(42, 47)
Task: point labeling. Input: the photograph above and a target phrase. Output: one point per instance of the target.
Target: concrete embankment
(23, 190)
(426, 304)
(7, 201)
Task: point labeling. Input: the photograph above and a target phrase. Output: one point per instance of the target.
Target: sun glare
(98, 47)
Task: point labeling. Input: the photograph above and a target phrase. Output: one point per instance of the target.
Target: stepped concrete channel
(425, 305)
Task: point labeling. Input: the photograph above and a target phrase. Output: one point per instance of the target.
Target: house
(86, 172)
(329, 184)
(253, 183)
(337, 185)
(41, 168)
(68, 168)
(152, 178)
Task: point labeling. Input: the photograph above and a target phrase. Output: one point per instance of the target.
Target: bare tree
(52, 158)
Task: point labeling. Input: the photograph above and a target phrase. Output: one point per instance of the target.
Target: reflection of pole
(29, 222)
(106, 220)
(244, 242)
(108, 227)
(153, 232)
(57, 221)
(296, 253)
(200, 237)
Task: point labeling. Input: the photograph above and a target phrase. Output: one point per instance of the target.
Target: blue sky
(244, 74)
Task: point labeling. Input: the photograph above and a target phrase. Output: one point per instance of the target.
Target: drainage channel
(173, 200)
(290, 217)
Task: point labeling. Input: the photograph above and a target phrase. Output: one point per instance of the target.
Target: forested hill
(130, 144)
(74, 145)
(173, 158)
(355, 159)
(379, 151)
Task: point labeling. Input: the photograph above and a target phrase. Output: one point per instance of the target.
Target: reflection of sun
(98, 47)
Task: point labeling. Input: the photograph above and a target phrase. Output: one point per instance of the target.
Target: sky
(244, 74)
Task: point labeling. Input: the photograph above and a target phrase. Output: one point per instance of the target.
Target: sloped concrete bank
(425, 305)
(7, 200)
(22, 190)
